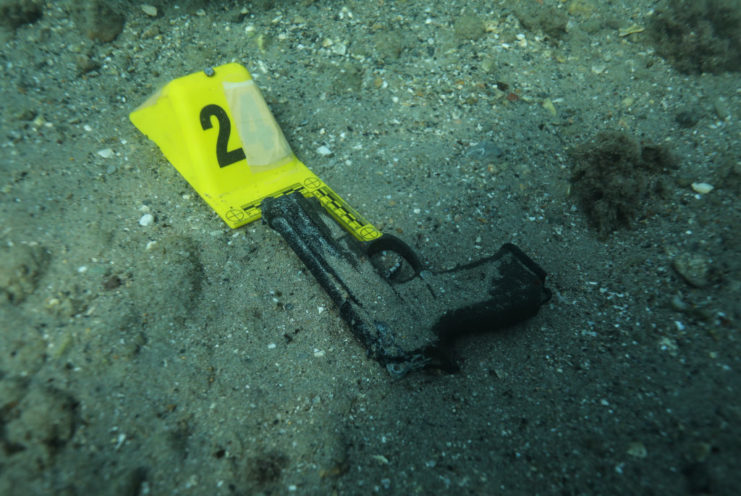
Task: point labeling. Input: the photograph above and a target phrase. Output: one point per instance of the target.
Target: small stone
(687, 118)
(677, 303)
(669, 345)
(702, 188)
(85, 63)
(150, 10)
(599, 68)
(324, 151)
(105, 153)
(722, 109)
(694, 268)
(112, 283)
(637, 449)
(548, 105)
(146, 220)
(339, 49)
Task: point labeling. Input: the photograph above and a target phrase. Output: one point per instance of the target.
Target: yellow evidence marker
(216, 129)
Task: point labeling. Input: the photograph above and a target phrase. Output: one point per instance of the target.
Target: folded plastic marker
(216, 129)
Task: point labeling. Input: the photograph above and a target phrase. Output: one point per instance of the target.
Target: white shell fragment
(702, 188)
(324, 151)
(150, 10)
(146, 220)
(105, 153)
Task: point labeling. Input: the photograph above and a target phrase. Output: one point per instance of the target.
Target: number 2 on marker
(223, 156)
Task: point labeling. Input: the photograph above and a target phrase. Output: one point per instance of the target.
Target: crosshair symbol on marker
(368, 232)
(234, 215)
(312, 183)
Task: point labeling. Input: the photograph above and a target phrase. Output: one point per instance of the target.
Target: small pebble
(150, 10)
(721, 109)
(324, 151)
(637, 449)
(668, 345)
(687, 119)
(599, 68)
(694, 268)
(548, 105)
(105, 153)
(146, 220)
(702, 188)
(678, 304)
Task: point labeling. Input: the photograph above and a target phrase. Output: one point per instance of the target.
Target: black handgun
(406, 315)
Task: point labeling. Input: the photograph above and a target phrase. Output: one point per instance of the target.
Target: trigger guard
(390, 243)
